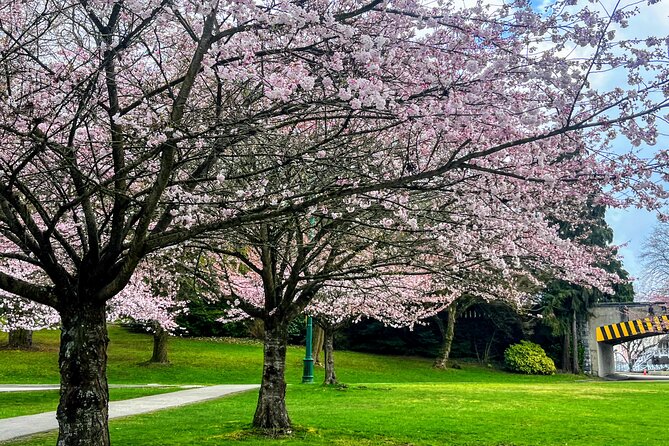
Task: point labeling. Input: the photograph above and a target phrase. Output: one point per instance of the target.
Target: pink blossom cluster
(151, 297)
(429, 135)
(17, 313)
(20, 313)
(399, 300)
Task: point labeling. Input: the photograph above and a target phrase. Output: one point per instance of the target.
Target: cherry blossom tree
(20, 317)
(375, 261)
(151, 299)
(276, 275)
(129, 127)
(396, 300)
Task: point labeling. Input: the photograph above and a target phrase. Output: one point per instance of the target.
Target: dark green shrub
(297, 330)
(201, 320)
(529, 358)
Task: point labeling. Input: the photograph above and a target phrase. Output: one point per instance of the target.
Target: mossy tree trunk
(84, 396)
(574, 343)
(21, 339)
(447, 334)
(319, 335)
(330, 375)
(271, 414)
(160, 338)
(566, 358)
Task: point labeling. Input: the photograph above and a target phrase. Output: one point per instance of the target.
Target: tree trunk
(271, 414)
(566, 359)
(448, 334)
(574, 342)
(488, 347)
(319, 335)
(160, 337)
(330, 376)
(84, 396)
(21, 339)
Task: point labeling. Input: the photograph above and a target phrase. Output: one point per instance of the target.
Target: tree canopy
(129, 127)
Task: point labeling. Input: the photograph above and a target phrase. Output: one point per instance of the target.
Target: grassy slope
(390, 401)
(222, 362)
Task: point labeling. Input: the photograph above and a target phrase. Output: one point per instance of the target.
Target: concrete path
(636, 377)
(39, 387)
(27, 387)
(14, 428)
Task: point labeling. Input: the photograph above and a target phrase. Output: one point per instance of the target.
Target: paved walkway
(39, 387)
(13, 428)
(636, 377)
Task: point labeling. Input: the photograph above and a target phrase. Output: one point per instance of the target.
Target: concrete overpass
(614, 323)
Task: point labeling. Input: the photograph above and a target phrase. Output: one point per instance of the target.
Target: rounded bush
(529, 358)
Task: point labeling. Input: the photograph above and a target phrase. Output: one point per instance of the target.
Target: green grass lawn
(388, 401)
(227, 362)
(14, 404)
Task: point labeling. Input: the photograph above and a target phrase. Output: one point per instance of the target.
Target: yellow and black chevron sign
(639, 328)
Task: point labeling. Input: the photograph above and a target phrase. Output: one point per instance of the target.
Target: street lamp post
(308, 373)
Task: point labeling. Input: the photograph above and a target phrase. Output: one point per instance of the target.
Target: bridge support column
(606, 359)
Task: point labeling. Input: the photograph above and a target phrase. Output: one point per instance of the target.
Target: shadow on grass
(157, 365)
(33, 348)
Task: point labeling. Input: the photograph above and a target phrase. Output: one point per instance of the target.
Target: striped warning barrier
(630, 330)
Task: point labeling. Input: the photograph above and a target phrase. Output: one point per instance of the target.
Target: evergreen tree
(564, 305)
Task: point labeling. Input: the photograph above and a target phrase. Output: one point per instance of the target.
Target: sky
(631, 227)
